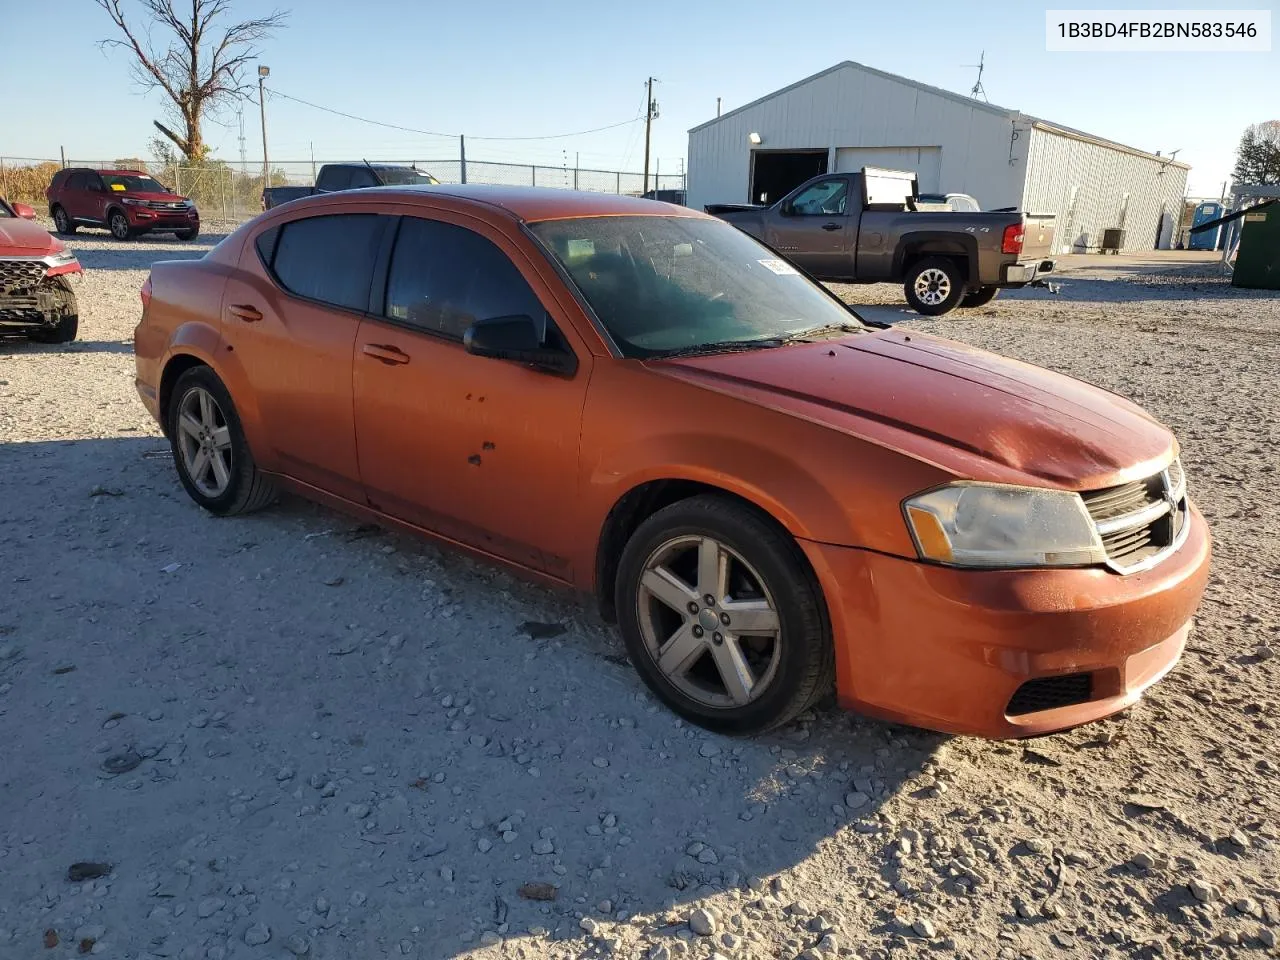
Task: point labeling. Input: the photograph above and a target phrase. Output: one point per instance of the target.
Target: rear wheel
(209, 447)
(119, 225)
(933, 286)
(63, 223)
(980, 297)
(722, 618)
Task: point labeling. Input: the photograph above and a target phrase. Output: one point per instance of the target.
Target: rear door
(1037, 236)
(75, 196)
(483, 451)
(812, 227)
(291, 313)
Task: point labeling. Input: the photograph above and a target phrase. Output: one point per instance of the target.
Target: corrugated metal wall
(852, 106)
(1091, 186)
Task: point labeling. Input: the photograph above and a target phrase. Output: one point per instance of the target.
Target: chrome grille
(166, 205)
(1140, 521)
(16, 275)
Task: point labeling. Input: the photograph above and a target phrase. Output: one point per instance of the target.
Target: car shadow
(379, 738)
(15, 345)
(102, 252)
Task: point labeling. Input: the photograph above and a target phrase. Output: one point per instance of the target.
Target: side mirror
(516, 338)
(25, 211)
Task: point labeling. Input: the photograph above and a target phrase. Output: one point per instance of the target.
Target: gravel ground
(290, 734)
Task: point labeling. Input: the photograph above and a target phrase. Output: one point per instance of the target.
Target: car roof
(529, 204)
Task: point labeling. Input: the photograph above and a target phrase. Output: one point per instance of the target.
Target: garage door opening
(775, 173)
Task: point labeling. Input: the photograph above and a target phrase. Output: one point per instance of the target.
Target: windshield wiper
(722, 346)
(804, 336)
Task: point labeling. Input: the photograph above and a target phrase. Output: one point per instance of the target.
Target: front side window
(327, 258)
(362, 178)
(443, 278)
(827, 198)
(666, 285)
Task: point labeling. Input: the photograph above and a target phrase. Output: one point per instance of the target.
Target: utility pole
(717, 106)
(650, 114)
(462, 157)
(263, 73)
(240, 118)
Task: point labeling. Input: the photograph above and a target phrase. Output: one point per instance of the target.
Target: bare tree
(202, 65)
(1258, 155)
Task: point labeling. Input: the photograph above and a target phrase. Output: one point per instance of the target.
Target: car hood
(24, 237)
(921, 394)
(158, 197)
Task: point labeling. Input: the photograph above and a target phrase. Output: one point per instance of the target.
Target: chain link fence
(231, 193)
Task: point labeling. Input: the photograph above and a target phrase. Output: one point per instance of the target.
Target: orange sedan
(768, 494)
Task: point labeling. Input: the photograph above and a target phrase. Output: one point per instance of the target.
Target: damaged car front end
(37, 298)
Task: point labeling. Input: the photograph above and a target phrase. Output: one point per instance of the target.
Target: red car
(36, 299)
(127, 202)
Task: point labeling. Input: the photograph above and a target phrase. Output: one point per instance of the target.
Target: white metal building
(851, 116)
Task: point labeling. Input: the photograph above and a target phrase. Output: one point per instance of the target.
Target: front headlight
(996, 525)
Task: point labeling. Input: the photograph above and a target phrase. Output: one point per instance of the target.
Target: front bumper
(35, 291)
(1019, 274)
(948, 649)
(144, 219)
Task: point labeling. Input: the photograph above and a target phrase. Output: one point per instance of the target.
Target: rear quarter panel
(184, 318)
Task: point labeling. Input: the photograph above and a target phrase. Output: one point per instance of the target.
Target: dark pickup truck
(348, 176)
(865, 228)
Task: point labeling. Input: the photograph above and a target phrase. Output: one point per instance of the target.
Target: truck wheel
(63, 223)
(933, 286)
(980, 297)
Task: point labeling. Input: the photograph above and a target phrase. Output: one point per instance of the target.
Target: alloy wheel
(204, 441)
(708, 622)
(932, 286)
(119, 226)
(60, 221)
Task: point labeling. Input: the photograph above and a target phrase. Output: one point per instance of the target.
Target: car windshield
(403, 176)
(132, 182)
(670, 285)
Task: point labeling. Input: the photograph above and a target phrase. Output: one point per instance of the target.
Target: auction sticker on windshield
(780, 267)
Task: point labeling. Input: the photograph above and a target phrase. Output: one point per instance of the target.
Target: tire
(66, 329)
(187, 234)
(787, 674)
(246, 489)
(119, 226)
(980, 297)
(63, 223)
(933, 286)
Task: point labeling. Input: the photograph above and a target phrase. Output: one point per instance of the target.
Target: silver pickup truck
(865, 228)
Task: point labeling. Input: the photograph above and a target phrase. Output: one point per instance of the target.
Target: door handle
(831, 226)
(385, 353)
(245, 311)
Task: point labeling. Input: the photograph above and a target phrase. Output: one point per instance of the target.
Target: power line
(434, 133)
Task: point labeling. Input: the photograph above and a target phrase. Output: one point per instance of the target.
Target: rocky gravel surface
(291, 735)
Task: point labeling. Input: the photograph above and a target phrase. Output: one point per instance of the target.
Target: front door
(482, 451)
(812, 228)
(290, 314)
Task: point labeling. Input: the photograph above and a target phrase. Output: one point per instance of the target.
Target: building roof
(1012, 115)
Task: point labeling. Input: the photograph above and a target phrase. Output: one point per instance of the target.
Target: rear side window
(328, 258)
(334, 178)
(75, 182)
(362, 178)
(443, 278)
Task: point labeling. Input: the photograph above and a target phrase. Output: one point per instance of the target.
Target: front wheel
(722, 617)
(68, 313)
(209, 447)
(933, 286)
(119, 226)
(980, 297)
